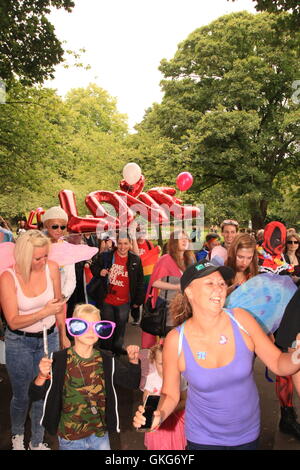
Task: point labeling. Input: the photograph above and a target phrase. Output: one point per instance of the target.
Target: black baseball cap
(203, 269)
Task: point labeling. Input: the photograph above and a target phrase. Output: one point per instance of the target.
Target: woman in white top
(30, 297)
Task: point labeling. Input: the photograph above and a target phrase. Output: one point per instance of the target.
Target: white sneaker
(18, 442)
(41, 446)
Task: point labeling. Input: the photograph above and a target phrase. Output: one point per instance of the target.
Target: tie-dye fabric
(265, 296)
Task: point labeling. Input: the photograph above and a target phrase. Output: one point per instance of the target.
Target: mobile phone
(150, 406)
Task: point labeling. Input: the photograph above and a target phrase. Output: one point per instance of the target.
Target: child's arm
(128, 374)
(38, 387)
(133, 354)
(44, 371)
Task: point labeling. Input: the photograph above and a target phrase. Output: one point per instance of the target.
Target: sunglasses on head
(292, 242)
(55, 227)
(103, 328)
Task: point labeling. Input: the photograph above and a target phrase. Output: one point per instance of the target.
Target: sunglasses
(292, 242)
(55, 227)
(103, 328)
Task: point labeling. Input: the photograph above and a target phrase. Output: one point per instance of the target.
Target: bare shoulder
(171, 341)
(6, 279)
(246, 320)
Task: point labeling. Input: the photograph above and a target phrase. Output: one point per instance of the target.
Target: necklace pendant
(201, 355)
(223, 339)
(94, 410)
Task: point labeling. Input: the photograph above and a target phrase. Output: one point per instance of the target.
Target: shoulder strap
(230, 314)
(12, 272)
(180, 338)
(166, 290)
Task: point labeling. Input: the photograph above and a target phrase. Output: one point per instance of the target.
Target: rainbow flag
(149, 260)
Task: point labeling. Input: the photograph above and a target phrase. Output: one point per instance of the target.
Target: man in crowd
(229, 230)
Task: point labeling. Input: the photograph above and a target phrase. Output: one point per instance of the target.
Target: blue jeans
(23, 355)
(87, 443)
(248, 446)
(119, 314)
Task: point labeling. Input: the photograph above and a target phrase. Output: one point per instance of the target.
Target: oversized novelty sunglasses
(103, 328)
(292, 242)
(55, 227)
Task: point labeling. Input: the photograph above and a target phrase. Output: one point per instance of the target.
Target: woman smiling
(214, 350)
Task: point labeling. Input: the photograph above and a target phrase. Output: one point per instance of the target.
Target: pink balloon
(184, 181)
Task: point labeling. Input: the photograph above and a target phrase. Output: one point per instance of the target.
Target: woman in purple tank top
(214, 349)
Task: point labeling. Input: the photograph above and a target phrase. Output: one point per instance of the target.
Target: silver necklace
(89, 395)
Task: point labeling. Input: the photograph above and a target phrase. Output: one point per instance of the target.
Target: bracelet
(44, 378)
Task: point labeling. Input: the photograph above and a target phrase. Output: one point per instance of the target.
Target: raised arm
(55, 276)
(280, 363)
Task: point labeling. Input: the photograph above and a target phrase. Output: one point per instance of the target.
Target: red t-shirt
(118, 286)
(144, 247)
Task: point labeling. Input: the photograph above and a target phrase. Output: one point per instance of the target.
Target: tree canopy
(29, 48)
(279, 6)
(48, 144)
(228, 106)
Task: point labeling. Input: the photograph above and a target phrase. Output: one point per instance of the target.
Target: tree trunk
(258, 211)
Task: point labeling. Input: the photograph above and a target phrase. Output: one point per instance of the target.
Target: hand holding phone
(148, 417)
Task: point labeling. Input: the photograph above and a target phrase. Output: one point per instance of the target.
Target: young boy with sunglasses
(78, 384)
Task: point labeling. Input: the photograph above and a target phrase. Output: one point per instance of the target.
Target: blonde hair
(87, 309)
(24, 248)
(154, 350)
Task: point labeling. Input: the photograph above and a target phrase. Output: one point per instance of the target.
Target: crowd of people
(65, 329)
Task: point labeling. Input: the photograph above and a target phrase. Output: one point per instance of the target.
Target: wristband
(44, 378)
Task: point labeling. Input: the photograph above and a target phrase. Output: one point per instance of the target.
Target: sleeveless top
(28, 305)
(222, 406)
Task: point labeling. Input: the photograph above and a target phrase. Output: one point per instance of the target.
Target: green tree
(97, 110)
(29, 48)
(34, 151)
(48, 144)
(279, 6)
(228, 106)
